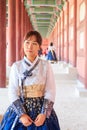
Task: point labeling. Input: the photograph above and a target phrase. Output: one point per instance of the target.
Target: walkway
(71, 109)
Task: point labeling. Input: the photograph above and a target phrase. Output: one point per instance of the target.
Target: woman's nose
(30, 45)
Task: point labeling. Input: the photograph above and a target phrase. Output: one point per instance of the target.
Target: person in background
(44, 53)
(31, 91)
(51, 53)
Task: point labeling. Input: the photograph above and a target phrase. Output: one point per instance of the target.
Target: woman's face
(31, 48)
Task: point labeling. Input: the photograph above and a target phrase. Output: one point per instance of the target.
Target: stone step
(64, 73)
(80, 90)
(65, 77)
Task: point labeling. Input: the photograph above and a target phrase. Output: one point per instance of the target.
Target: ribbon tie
(27, 73)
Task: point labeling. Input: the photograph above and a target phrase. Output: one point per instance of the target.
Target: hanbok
(31, 87)
(51, 56)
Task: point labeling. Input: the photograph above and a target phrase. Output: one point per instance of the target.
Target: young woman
(51, 53)
(31, 91)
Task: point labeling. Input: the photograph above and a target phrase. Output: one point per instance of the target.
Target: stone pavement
(70, 108)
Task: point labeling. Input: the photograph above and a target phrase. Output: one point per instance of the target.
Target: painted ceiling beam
(42, 5)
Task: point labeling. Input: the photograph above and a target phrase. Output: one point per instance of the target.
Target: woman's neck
(31, 59)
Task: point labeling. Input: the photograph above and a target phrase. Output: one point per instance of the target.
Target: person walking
(51, 53)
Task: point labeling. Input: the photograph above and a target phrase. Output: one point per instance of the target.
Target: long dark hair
(51, 44)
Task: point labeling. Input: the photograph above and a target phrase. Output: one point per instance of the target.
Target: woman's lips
(28, 51)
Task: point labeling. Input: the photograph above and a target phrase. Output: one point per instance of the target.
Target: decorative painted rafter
(44, 13)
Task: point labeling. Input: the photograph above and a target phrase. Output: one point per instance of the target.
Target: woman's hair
(36, 34)
(29, 34)
(51, 44)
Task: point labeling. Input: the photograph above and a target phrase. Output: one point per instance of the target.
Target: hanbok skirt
(51, 56)
(33, 107)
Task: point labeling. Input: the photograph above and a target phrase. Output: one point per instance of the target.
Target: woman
(31, 91)
(51, 53)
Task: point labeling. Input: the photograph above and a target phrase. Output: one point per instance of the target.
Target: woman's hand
(26, 120)
(40, 119)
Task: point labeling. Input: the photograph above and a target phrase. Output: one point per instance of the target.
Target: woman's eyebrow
(30, 41)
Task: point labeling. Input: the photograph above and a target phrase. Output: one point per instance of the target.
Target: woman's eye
(34, 43)
(27, 42)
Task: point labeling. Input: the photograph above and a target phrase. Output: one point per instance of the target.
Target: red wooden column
(18, 29)
(2, 43)
(57, 40)
(75, 33)
(12, 32)
(22, 20)
(55, 34)
(60, 38)
(82, 41)
(26, 26)
(86, 44)
(72, 31)
(62, 35)
(67, 52)
(66, 32)
(27, 22)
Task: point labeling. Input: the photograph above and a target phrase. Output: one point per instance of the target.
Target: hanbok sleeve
(13, 84)
(13, 91)
(50, 92)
